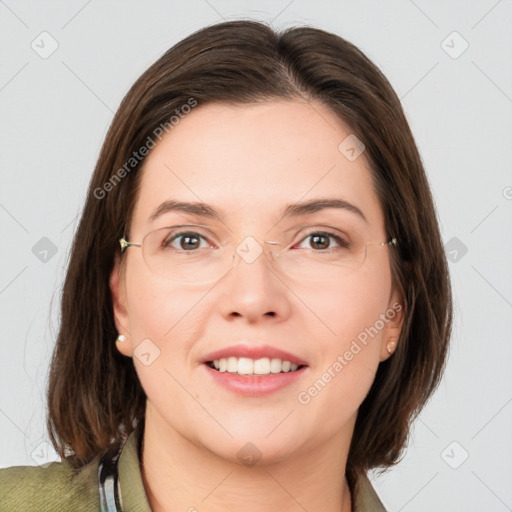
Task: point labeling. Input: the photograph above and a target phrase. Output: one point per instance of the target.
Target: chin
(254, 451)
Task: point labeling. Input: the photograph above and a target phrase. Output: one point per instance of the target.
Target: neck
(180, 475)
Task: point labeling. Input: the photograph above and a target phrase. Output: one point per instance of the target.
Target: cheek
(350, 309)
(348, 352)
(156, 307)
(164, 322)
(346, 361)
(170, 316)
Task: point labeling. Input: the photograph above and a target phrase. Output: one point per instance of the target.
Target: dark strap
(108, 483)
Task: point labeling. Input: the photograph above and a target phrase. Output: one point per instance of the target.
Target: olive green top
(56, 487)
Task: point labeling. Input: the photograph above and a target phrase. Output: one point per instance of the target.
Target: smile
(253, 367)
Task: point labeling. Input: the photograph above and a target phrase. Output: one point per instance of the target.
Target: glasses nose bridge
(273, 246)
(251, 248)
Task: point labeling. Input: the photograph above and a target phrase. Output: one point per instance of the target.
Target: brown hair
(94, 396)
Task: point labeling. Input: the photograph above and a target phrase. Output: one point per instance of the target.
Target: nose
(252, 288)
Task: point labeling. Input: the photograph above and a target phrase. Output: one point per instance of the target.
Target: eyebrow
(291, 210)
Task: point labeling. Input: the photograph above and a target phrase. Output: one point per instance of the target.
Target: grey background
(54, 114)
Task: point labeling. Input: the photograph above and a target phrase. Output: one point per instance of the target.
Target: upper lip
(253, 352)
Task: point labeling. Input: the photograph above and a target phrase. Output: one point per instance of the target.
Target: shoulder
(56, 486)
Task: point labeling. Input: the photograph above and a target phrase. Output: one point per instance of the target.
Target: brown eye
(321, 240)
(187, 241)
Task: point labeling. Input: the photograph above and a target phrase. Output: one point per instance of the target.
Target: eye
(321, 240)
(187, 241)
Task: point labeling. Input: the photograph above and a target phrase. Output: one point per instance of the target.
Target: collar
(133, 495)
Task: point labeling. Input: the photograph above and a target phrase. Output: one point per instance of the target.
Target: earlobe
(390, 346)
(395, 315)
(118, 292)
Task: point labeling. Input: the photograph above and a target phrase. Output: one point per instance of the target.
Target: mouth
(247, 367)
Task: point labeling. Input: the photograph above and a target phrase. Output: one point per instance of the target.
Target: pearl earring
(390, 347)
(120, 338)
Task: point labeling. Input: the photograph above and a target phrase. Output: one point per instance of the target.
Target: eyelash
(343, 244)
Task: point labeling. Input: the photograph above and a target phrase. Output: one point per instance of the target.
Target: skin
(249, 162)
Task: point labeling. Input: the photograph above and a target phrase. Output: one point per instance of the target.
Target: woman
(257, 303)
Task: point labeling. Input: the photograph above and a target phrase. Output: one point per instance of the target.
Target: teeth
(275, 365)
(247, 366)
(262, 366)
(232, 364)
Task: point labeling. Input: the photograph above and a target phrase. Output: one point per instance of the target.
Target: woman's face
(249, 163)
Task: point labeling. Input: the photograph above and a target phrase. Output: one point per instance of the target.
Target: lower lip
(254, 386)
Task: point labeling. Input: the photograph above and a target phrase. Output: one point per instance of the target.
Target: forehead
(249, 161)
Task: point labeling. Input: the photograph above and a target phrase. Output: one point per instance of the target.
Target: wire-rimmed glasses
(187, 254)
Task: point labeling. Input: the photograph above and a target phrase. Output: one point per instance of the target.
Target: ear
(395, 315)
(119, 305)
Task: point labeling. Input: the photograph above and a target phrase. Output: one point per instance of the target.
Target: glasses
(186, 254)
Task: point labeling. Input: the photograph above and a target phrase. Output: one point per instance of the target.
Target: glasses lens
(185, 254)
(322, 256)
